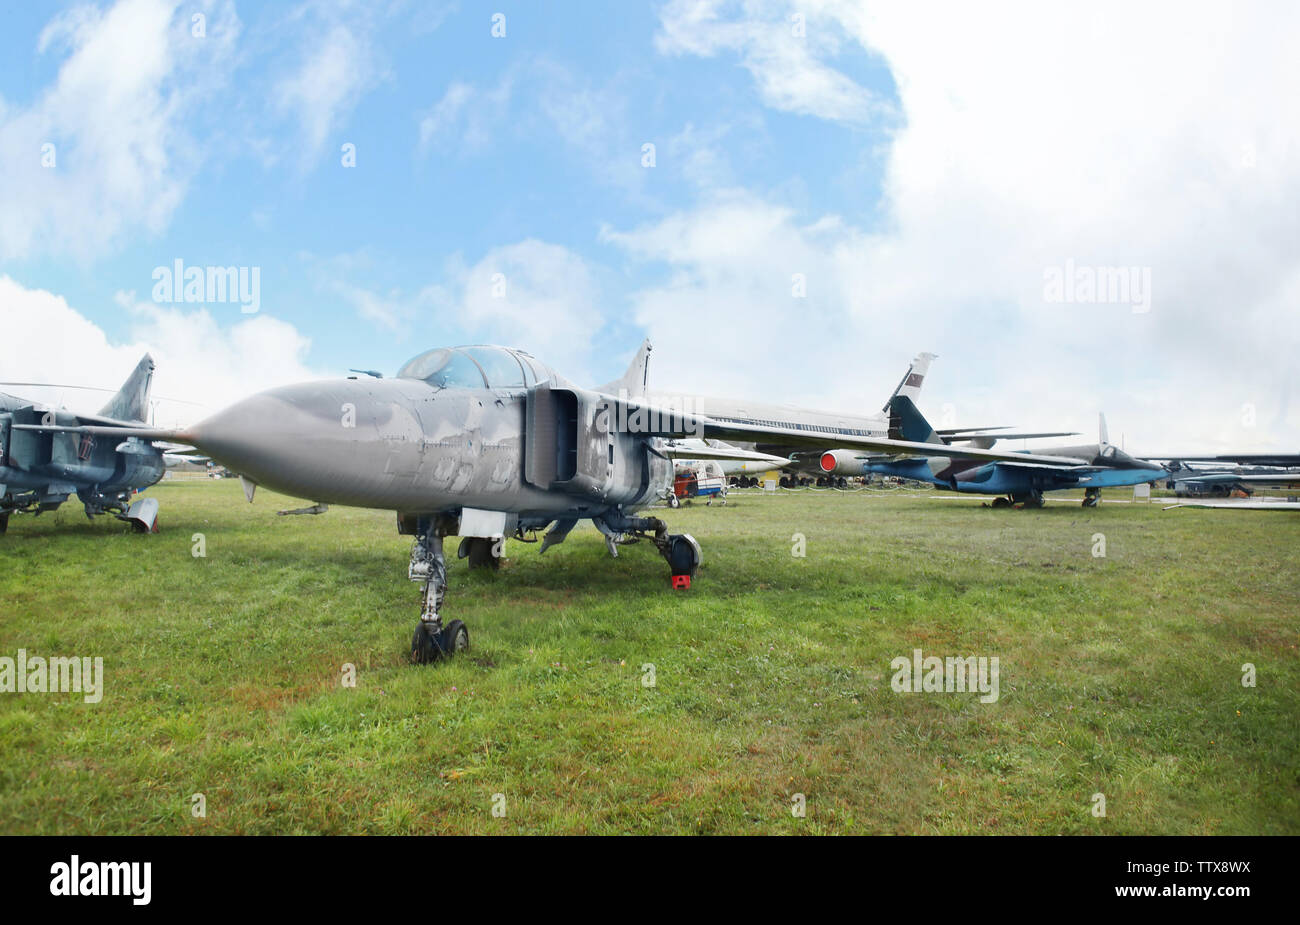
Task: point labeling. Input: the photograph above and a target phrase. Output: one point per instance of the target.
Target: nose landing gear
(432, 641)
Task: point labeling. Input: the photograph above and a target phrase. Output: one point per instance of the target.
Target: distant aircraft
(701, 467)
(1090, 467)
(798, 456)
(484, 442)
(732, 460)
(40, 468)
(1198, 481)
(1243, 459)
(803, 460)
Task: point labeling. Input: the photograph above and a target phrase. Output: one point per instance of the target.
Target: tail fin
(1102, 437)
(910, 385)
(636, 380)
(131, 403)
(907, 423)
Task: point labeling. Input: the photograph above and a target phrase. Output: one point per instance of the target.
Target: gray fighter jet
(485, 442)
(41, 469)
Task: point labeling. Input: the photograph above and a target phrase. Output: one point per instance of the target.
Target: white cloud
(467, 115)
(337, 64)
(115, 116)
(534, 101)
(198, 359)
(537, 296)
(1150, 136)
(783, 54)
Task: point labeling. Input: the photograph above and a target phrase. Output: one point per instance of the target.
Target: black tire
(455, 638)
(1001, 502)
(4, 523)
(425, 647)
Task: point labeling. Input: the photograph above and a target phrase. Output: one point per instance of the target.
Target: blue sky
(920, 170)
(262, 194)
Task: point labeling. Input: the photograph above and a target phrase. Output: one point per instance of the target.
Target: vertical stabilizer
(910, 385)
(131, 403)
(907, 423)
(636, 380)
(1102, 437)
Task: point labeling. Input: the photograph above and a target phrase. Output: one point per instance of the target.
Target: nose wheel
(430, 644)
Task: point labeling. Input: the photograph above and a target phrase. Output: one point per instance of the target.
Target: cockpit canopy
(477, 367)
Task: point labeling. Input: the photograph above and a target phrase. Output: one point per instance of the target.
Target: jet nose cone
(245, 435)
(284, 436)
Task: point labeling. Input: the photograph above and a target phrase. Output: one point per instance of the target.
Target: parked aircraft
(1200, 481)
(1013, 481)
(40, 469)
(485, 442)
(798, 456)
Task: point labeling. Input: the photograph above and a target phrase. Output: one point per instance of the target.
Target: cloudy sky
(1079, 207)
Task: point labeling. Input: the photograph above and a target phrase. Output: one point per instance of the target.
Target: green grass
(1119, 675)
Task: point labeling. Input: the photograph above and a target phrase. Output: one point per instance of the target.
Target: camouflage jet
(1013, 480)
(485, 442)
(40, 469)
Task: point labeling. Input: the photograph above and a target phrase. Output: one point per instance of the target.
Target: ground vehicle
(703, 479)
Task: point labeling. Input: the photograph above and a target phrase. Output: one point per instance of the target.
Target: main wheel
(425, 647)
(1000, 501)
(455, 638)
(673, 502)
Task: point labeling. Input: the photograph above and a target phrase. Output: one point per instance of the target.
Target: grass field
(1119, 675)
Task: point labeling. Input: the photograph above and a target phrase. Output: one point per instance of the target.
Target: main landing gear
(680, 550)
(1091, 496)
(1027, 500)
(434, 640)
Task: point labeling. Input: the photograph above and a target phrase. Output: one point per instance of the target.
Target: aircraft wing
(664, 421)
(1227, 478)
(762, 433)
(953, 438)
(956, 431)
(1245, 459)
(1077, 469)
(1282, 478)
(677, 451)
(128, 429)
(1241, 505)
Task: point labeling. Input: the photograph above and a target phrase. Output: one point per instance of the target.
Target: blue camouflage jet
(1099, 465)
